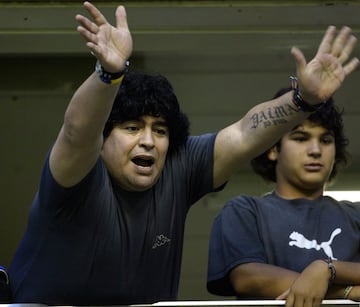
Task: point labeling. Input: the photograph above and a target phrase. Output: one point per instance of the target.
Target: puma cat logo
(297, 239)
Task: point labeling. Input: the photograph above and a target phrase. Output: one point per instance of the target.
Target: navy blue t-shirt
(285, 233)
(96, 244)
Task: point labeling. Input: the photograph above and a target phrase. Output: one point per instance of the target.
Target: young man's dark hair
(142, 94)
(329, 117)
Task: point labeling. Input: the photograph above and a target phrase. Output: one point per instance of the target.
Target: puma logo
(297, 239)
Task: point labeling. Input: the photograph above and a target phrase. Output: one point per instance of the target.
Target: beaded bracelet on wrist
(109, 77)
(300, 103)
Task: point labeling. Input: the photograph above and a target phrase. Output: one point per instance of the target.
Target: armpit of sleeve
(53, 195)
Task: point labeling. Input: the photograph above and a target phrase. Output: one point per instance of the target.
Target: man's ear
(272, 154)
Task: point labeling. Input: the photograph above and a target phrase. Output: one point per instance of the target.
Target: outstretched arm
(79, 142)
(264, 124)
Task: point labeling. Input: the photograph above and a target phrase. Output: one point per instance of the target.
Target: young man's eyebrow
(304, 132)
(296, 131)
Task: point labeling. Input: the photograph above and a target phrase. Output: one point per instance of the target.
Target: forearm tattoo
(273, 116)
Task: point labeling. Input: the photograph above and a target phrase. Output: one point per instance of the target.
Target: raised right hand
(111, 45)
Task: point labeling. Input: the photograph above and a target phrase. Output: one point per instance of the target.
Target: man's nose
(314, 148)
(147, 138)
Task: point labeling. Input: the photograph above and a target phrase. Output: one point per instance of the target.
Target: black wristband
(109, 77)
(300, 103)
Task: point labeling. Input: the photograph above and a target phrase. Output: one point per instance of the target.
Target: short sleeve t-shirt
(96, 244)
(285, 233)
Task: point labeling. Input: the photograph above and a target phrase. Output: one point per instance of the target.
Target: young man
(293, 243)
(106, 226)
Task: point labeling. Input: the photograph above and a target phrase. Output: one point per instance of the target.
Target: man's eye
(300, 139)
(131, 128)
(161, 131)
(328, 140)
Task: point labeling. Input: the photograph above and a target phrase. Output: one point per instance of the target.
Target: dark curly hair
(143, 94)
(329, 117)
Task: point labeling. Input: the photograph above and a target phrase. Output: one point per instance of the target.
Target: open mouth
(145, 162)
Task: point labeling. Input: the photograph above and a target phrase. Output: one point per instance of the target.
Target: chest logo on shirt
(299, 240)
(160, 241)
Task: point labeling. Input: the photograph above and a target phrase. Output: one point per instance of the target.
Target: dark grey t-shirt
(285, 233)
(95, 244)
